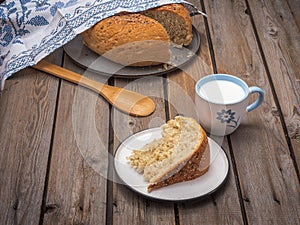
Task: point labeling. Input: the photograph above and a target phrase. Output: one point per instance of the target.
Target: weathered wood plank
(26, 117)
(270, 188)
(222, 207)
(76, 191)
(294, 7)
(280, 38)
(128, 207)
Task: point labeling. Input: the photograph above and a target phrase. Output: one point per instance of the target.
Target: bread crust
(192, 166)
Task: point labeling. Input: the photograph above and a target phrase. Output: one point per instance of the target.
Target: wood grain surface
(269, 165)
(57, 139)
(77, 177)
(279, 36)
(26, 121)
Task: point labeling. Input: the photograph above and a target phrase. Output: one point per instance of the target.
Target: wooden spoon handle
(69, 75)
(127, 101)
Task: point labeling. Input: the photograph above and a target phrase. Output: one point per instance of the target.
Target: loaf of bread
(130, 39)
(181, 154)
(141, 39)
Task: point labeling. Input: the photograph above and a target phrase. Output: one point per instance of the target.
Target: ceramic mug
(222, 101)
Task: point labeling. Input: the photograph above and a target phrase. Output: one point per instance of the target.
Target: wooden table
(52, 132)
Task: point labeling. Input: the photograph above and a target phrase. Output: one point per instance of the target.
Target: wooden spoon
(127, 101)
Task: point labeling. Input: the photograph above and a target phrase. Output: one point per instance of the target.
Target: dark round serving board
(90, 60)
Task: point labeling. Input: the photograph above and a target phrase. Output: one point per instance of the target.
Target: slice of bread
(181, 154)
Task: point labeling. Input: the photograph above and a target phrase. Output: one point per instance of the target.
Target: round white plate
(197, 188)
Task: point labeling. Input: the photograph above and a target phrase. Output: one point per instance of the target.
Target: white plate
(197, 188)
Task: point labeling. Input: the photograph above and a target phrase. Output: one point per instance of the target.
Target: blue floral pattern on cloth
(32, 29)
(228, 117)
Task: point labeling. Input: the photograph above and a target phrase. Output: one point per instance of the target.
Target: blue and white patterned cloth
(32, 29)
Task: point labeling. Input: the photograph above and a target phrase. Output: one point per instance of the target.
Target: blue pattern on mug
(228, 116)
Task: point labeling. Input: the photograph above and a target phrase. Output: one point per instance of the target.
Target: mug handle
(258, 101)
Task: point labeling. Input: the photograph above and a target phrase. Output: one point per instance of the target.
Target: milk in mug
(222, 92)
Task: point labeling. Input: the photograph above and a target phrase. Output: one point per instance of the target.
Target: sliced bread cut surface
(181, 154)
(176, 20)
